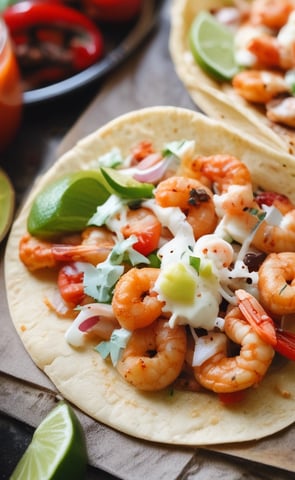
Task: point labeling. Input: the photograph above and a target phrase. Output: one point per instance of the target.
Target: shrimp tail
(90, 253)
(281, 340)
(257, 317)
(285, 343)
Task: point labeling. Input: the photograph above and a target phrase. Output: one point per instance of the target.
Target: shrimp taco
(155, 310)
(254, 90)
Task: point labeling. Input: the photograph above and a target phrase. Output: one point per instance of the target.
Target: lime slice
(67, 204)
(57, 450)
(212, 45)
(6, 204)
(125, 185)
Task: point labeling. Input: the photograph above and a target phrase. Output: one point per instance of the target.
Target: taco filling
(180, 281)
(251, 61)
(173, 283)
(264, 50)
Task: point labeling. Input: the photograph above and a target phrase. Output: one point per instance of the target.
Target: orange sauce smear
(10, 92)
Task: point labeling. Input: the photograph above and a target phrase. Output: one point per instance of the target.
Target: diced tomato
(141, 151)
(230, 398)
(70, 284)
(147, 241)
(146, 227)
(278, 200)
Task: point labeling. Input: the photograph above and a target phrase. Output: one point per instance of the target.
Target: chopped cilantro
(124, 251)
(110, 207)
(115, 345)
(178, 148)
(195, 262)
(154, 260)
(100, 281)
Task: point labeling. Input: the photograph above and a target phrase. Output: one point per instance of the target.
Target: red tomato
(112, 10)
(70, 284)
(146, 227)
(278, 200)
(231, 398)
(147, 241)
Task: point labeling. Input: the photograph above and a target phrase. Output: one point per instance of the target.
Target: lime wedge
(6, 204)
(67, 204)
(212, 45)
(125, 185)
(57, 450)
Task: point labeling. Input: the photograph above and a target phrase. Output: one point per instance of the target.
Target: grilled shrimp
(282, 110)
(96, 244)
(271, 13)
(270, 53)
(226, 175)
(193, 198)
(276, 238)
(259, 86)
(154, 356)
(276, 283)
(221, 373)
(134, 303)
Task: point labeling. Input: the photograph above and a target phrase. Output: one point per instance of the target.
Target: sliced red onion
(101, 309)
(89, 315)
(150, 174)
(101, 326)
(149, 161)
(56, 303)
(153, 174)
(105, 327)
(88, 323)
(207, 346)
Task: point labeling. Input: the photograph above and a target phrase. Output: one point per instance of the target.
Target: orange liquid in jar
(10, 90)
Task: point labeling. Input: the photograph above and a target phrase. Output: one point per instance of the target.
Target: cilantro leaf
(115, 345)
(124, 249)
(110, 207)
(179, 148)
(195, 262)
(99, 281)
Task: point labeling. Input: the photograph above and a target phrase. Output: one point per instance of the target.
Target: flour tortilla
(92, 384)
(219, 100)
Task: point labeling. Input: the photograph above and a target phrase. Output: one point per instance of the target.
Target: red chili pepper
(71, 34)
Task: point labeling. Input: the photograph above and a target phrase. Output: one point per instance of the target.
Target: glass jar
(10, 90)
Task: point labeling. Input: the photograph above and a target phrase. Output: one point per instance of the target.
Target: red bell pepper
(54, 36)
(112, 10)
